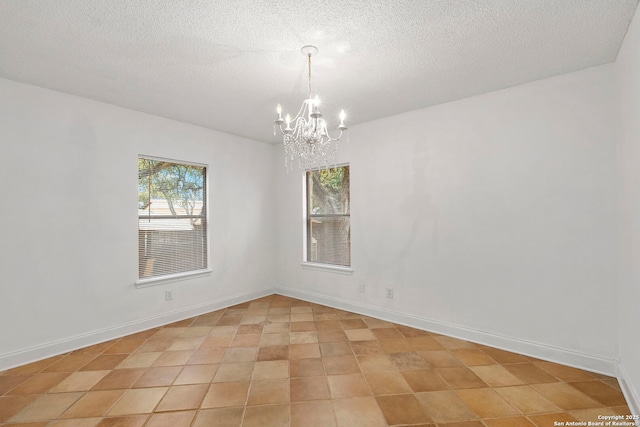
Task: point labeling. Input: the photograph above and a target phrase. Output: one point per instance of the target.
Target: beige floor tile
(196, 374)
(124, 421)
(8, 383)
(358, 412)
(268, 415)
(222, 417)
(206, 356)
(281, 338)
(79, 422)
(303, 327)
(158, 376)
(272, 369)
(240, 354)
(601, 392)
(70, 363)
(526, 400)
(11, 405)
(341, 386)
(79, 381)
(183, 397)
(440, 359)
(396, 346)
(308, 337)
(328, 349)
(316, 413)
(445, 406)
(171, 419)
(119, 379)
(40, 383)
(233, 372)
(138, 401)
(306, 367)
(460, 378)
(530, 373)
(366, 347)
(408, 361)
(373, 363)
(546, 420)
(564, 373)
(402, 409)
(451, 343)
(139, 360)
(496, 375)
(425, 344)
(566, 396)
(274, 352)
(309, 388)
(486, 403)
(387, 383)
(247, 340)
(267, 392)
(340, 365)
(46, 407)
(424, 380)
(304, 351)
(105, 361)
(473, 357)
(222, 395)
(509, 422)
(173, 358)
(125, 346)
(359, 335)
(93, 404)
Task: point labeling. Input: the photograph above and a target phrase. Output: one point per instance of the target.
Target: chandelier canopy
(306, 137)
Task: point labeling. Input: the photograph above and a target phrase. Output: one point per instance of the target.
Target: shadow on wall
(403, 220)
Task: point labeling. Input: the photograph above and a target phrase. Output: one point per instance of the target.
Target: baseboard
(528, 348)
(33, 354)
(629, 391)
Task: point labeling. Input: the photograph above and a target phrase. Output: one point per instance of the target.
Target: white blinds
(329, 216)
(172, 217)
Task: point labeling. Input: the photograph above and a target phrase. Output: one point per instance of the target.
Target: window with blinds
(328, 216)
(172, 217)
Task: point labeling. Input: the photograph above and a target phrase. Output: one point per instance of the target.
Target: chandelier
(306, 137)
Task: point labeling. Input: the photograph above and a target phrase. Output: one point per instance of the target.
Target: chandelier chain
(309, 56)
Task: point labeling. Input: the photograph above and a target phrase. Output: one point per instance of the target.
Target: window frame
(307, 217)
(142, 282)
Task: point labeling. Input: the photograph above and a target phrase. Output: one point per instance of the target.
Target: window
(172, 217)
(328, 216)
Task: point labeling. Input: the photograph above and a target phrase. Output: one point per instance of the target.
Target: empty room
(339, 213)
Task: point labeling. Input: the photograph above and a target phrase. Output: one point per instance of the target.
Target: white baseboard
(33, 354)
(629, 391)
(528, 348)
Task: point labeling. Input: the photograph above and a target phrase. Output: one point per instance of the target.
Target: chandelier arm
(329, 138)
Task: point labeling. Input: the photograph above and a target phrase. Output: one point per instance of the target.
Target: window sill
(152, 281)
(327, 267)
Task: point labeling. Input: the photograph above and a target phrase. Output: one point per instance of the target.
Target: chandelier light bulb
(342, 116)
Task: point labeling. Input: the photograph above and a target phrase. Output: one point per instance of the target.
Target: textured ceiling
(225, 64)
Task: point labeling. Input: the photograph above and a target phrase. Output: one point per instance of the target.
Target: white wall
(493, 218)
(68, 245)
(628, 78)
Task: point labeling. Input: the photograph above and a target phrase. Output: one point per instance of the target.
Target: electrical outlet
(168, 295)
(389, 292)
(361, 288)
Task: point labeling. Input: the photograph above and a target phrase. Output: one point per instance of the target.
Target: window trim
(314, 265)
(185, 275)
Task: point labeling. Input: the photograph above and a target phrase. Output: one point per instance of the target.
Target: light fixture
(306, 137)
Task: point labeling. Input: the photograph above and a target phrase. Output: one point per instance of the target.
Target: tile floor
(278, 361)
